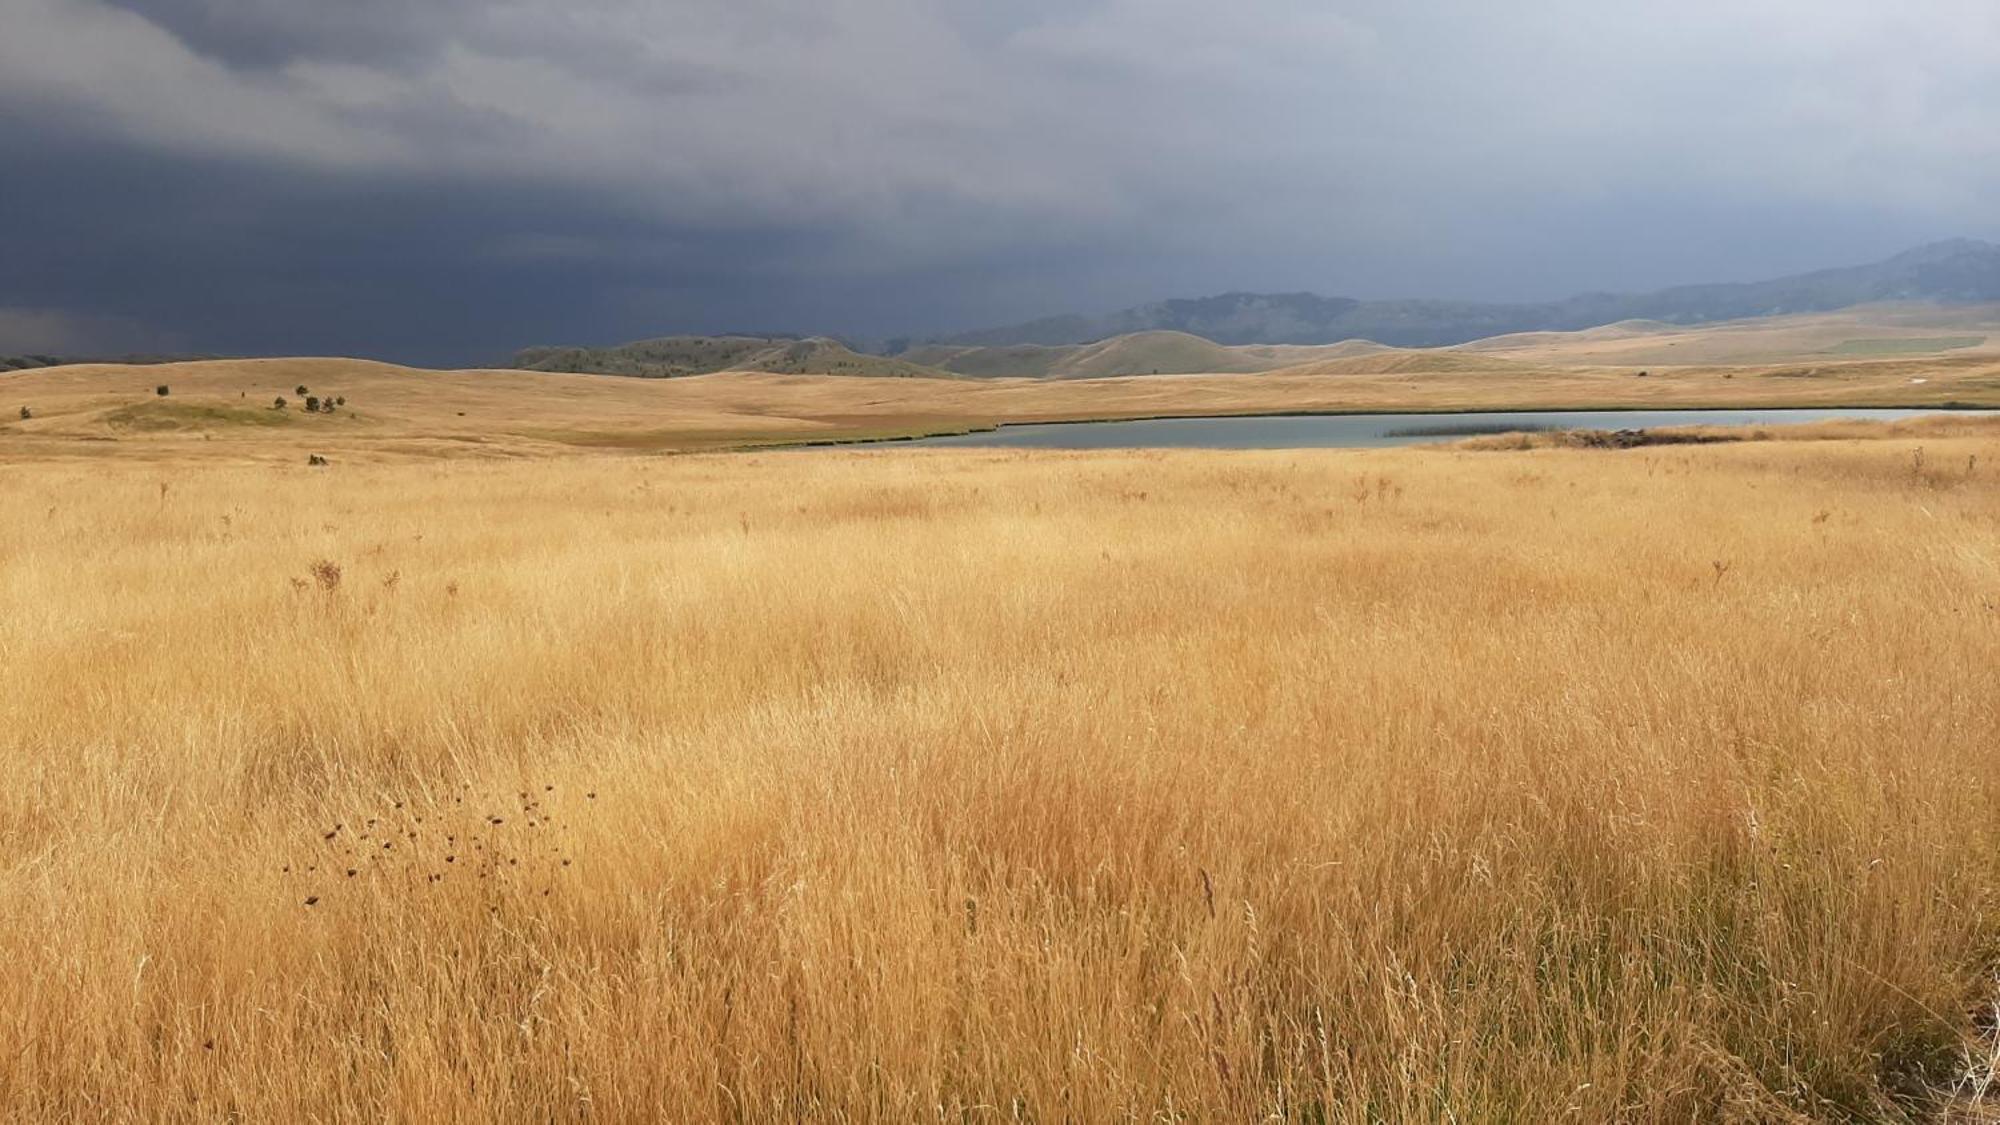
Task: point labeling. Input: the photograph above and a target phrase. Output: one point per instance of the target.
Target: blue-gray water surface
(1322, 431)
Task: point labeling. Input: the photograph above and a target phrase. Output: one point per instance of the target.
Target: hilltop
(1954, 271)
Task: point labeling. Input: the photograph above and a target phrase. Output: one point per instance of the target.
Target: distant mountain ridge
(1255, 332)
(1957, 270)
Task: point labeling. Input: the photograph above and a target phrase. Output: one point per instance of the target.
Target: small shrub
(26, 414)
(315, 460)
(312, 404)
(300, 390)
(340, 401)
(161, 390)
(278, 403)
(326, 572)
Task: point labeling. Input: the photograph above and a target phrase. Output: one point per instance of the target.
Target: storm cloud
(443, 182)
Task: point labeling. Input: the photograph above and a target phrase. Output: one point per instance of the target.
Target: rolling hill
(678, 356)
(1892, 329)
(1955, 271)
(1909, 329)
(1138, 353)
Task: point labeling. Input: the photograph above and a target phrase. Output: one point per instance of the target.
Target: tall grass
(1555, 784)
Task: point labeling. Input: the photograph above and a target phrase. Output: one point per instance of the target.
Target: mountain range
(1958, 270)
(1253, 332)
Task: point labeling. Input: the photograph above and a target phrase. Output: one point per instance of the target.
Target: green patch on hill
(1140, 353)
(165, 416)
(679, 356)
(1017, 361)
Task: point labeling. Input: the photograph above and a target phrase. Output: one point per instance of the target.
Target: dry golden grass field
(1432, 784)
(1444, 784)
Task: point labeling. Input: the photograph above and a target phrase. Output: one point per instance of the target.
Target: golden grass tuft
(1549, 784)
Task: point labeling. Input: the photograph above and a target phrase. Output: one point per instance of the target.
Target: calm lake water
(1322, 431)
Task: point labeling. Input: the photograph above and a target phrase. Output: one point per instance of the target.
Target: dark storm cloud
(450, 179)
(244, 258)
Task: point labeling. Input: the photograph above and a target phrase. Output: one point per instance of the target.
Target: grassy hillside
(1140, 353)
(678, 356)
(1559, 785)
(1144, 353)
(1411, 361)
(1156, 353)
(1016, 361)
(1899, 329)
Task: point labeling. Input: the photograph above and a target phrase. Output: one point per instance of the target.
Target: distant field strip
(233, 408)
(1906, 345)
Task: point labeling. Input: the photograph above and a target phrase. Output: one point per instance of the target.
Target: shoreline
(1949, 407)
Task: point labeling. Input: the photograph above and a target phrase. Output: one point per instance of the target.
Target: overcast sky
(443, 181)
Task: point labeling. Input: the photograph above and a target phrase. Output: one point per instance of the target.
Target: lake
(1329, 431)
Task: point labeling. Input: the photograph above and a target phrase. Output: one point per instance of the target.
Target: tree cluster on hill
(29, 362)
